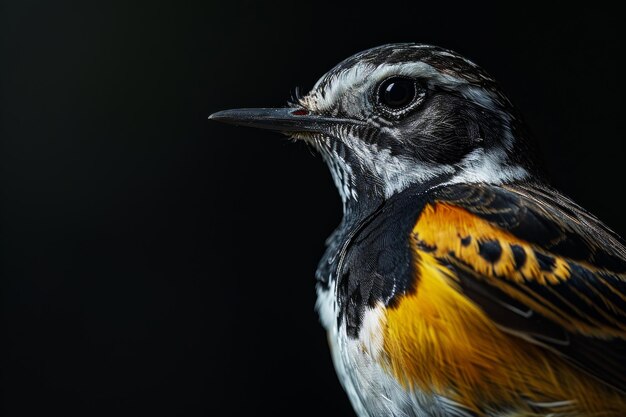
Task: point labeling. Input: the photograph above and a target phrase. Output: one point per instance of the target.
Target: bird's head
(400, 115)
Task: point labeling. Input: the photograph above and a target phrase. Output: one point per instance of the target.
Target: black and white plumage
(459, 283)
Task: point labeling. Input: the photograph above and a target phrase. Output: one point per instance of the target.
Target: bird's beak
(288, 119)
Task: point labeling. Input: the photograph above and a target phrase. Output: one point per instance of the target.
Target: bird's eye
(396, 93)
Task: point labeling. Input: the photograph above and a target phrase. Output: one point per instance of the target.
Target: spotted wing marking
(517, 268)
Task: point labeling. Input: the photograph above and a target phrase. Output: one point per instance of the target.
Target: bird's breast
(365, 372)
(433, 352)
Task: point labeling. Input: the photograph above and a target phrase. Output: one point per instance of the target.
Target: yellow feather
(437, 340)
(442, 226)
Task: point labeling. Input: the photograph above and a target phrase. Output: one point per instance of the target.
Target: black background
(154, 263)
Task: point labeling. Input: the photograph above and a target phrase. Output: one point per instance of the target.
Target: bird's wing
(540, 267)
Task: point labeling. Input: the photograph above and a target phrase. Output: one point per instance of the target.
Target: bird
(459, 281)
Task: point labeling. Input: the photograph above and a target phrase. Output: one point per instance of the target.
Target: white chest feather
(360, 366)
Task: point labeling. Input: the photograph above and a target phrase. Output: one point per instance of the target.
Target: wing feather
(539, 265)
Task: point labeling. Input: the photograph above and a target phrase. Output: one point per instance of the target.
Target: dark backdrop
(154, 263)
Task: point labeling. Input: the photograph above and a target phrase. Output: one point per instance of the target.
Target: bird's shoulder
(539, 266)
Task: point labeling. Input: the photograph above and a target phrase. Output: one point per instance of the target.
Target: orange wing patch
(502, 259)
(488, 249)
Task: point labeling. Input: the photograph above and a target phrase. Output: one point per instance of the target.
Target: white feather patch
(488, 167)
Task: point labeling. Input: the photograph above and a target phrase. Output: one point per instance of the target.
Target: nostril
(299, 112)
